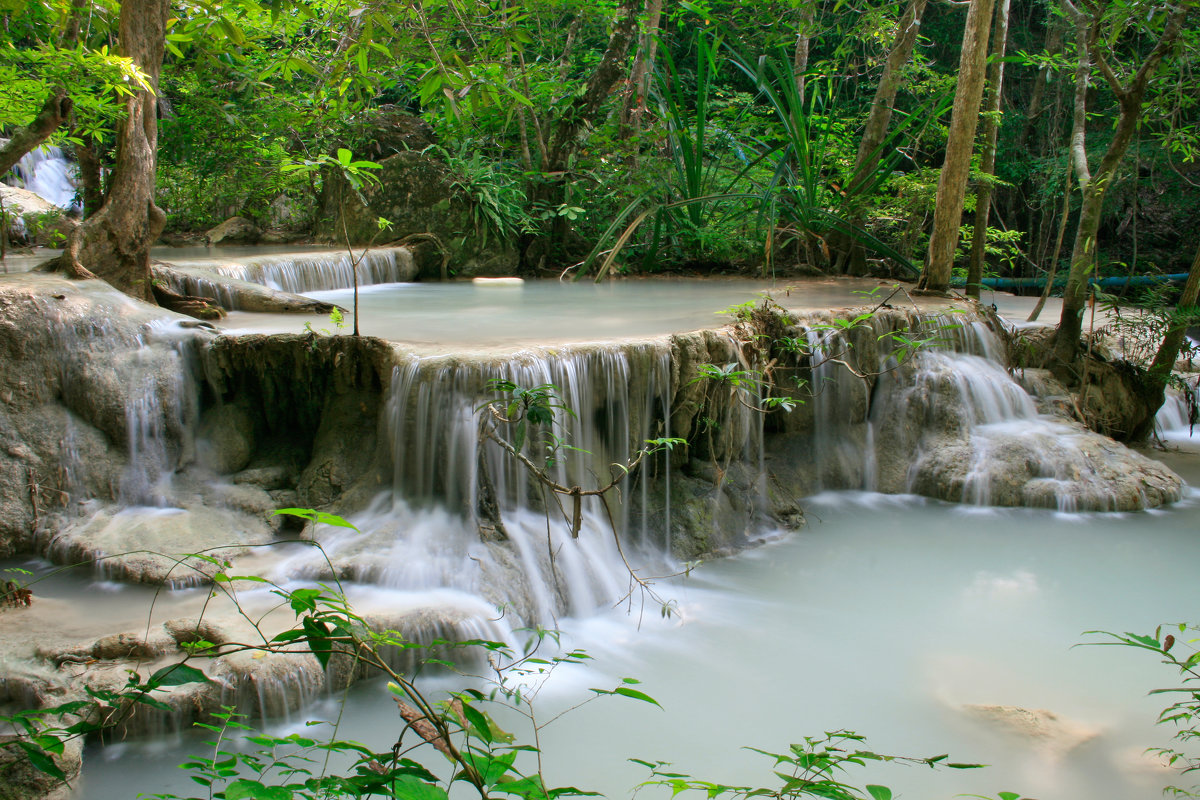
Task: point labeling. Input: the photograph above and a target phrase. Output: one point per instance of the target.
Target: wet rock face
(88, 378)
(958, 428)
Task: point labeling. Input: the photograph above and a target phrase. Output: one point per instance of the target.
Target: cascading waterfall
(46, 172)
(1175, 416)
(298, 272)
(974, 420)
(424, 533)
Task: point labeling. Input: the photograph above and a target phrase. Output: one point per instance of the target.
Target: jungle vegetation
(1035, 138)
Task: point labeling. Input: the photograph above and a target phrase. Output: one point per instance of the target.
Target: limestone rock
(186, 630)
(388, 129)
(235, 230)
(152, 545)
(1058, 736)
(226, 439)
(133, 645)
(37, 220)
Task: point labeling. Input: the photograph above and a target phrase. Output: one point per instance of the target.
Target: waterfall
(297, 272)
(963, 429)
(435, 527)
(46, 172)
(1175, 416)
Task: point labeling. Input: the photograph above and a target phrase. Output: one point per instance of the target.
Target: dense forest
(950, 140)
(949, 147)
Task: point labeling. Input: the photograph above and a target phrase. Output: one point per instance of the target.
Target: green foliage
(1183, 712)
(813, 768)
(499, 205)
(524, 407)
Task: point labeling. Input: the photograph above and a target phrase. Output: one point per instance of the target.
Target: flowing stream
(886, 614)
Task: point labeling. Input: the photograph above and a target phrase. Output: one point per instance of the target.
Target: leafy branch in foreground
(812, 769)
(1184, 710)
(519, 410)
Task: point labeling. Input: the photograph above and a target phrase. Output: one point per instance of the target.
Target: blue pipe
(1008, 284)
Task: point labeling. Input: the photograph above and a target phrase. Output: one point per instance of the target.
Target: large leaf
(177, 675)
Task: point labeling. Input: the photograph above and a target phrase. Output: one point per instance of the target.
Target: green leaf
(625, 691)
(317, 516)
(879, 792)
(479, 723)
(407, 787)
(41, 761)
(242, 789)
(177, 675)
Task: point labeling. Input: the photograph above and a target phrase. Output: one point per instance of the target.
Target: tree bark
(1095, 185)
(114, 243)
(804, 31)
(639, 75)
(991, 132)
(1159, 373)
(91, 188)
(952, 184)
(54, 113)
(851, 254)
(604, 78)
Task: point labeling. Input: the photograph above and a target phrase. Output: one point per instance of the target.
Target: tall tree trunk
(54, 113)
(804, 31)
(875, 131)
(1160, 369)
(114, 243)
(991, 132)
(639, 76)
(952, 184)
(581, 113)
(1095, 185)
(604, 78)
(90, 185)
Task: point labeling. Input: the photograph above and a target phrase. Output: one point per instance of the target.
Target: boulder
(34, 220)
(1045, 729)
(419, 194)
(385, 130)
(235, 230)
(225, 441)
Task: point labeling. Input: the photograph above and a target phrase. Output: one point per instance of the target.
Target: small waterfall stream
(298, 272)
(46, 172)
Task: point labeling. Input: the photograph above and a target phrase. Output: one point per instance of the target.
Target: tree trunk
(607, 74)
(91, 188)
(578, 115)
(876, 128)
(54, 113)
(804, 32)
(114, 243)
(952, 184)
(1159, 372)
(1094, 186)
(991, 132)
(639, 75)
